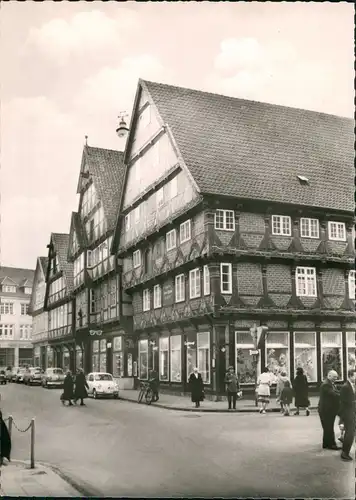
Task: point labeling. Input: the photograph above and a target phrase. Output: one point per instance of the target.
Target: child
(286, 397)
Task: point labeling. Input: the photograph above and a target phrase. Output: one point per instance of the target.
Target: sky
(69, 68)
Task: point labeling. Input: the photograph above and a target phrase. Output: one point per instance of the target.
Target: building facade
(39, 315)
(102, 321)
(60, 305)
(235, 214)
(15, 321)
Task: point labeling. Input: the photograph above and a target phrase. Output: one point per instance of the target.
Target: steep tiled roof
(255, 150)
(44, 264)
(17, 275)
(60, 243)
(107, 168)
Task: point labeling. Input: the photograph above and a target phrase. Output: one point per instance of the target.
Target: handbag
(239, 394)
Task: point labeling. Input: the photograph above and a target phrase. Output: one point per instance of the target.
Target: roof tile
(60, 243)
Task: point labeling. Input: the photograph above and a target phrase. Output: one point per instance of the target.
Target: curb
(208, 410)
(86, 492)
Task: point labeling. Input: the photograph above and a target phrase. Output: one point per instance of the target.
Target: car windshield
(58, 371)
(103, 377)
(36, 370)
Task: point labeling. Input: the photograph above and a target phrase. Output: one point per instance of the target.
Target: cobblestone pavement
(116, 448)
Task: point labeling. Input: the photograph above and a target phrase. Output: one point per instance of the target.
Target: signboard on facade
(129, 365)
(167, 295)
(253, 351)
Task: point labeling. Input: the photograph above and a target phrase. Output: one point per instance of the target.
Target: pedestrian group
(74, 388)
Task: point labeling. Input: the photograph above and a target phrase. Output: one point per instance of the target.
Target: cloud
(84, 33)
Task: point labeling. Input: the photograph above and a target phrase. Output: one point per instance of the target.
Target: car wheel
(94, 394)
(116, 396)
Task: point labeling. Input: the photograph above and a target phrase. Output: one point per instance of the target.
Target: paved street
(117, 448)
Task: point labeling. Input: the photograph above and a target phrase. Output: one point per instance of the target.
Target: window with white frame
(309, 228)
(352, 284)
(6, 331)
(137, 214)
(159, 198)
(203, 348)
(8, 308)
(305, 279)
(245, 364)
(277, 353)
(185, 231)
(225, 219)
(9, 288)
(281, 225)
(206, 280)
(157, 296)
(136, 259)
(176, 358)
(305, 354)
(171, 240)
(163, 358)
(127, 222)
(226, 278)
(174, 187)
(337, 231)
(24, 309)
(194, 283)
(146, 300)
(180, 288)
(331, 353)
(92, 301)
(143, 359)
(28, 290)
(350, 344)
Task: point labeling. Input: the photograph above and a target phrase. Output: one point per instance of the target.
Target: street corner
(19, 480)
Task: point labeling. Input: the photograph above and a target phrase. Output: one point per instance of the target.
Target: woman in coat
(5, 441)
(232, 387)
(300, 386)
(81, 386)
(68, 389)
(197, 387)
(263, 389)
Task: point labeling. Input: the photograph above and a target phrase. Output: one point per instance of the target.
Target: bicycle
(145, 392)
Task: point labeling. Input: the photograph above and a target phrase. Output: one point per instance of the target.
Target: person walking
(68, 389)
(154, 384)
(300, 387)
(5, 441)
(282, 378)
(232, 387)
(81, 386)
(196, 387)
(328, 408)
(286, 397)
(263, 389)
(347, 414)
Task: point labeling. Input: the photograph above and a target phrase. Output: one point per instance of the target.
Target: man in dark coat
(300, 387)
(347, 414)
(5, 441)
(232, 387)
(154, 384)
(197, 387)
(68, 389)
(328, 408)
(81, 386)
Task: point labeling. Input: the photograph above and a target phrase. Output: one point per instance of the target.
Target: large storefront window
(350, 340)
(277, 353)
(143, 359)
(191, 359)
(95, 356)
(78, 357)
(163, 358)
(331, 353)
(176, 358)
(305, 354)
(203, 346)
(118, 357)
(65, 360)
(245, 368)
(102, 358)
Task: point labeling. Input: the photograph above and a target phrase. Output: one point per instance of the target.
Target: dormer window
(9, 288)
(28, 290)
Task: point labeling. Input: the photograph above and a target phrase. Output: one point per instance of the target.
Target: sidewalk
(183, 403)
(18, 480)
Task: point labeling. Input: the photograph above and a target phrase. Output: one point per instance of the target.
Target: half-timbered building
(59, 303)
(102, 333)
(236, 213)
(39, 315)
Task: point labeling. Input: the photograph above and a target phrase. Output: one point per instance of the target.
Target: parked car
(3, 377)
(102, 384)
(19, 374)
(52, 377)
(9, 373)
(33, 376)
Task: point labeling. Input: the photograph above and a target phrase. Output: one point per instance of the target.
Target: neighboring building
(59, 303)
(39, 315)
(15, 321)
(102, 332)
(236, 213)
